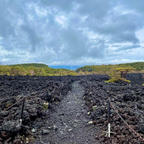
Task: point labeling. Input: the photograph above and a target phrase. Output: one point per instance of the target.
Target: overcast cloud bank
(76, 32)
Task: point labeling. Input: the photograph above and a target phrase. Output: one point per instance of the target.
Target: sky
(71, 32)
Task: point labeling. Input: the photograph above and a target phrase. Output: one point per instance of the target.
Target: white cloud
(140, 36)
(62, 32)
(62, 20)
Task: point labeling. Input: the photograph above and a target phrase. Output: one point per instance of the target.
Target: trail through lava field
(71, 121)
(70, 110)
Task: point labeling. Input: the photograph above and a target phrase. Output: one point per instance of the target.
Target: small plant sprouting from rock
(45, 105)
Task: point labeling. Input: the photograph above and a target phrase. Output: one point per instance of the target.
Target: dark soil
(70, 110)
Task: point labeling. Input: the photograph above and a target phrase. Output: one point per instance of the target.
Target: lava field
(28, 99)
(127, 109)
(26, 102)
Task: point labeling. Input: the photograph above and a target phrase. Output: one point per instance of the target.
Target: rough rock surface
(127, 99)
(70, 110)
(70, 121)
(22, 116)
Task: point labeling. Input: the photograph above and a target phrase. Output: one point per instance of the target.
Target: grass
(36, 69)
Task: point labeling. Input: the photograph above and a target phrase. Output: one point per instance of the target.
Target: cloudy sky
(71, 32)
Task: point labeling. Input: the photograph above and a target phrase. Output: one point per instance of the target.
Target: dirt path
(70, 121)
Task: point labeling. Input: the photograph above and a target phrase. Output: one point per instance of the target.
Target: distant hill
(137, 65)
(65, 67)
(103, 69)
(36, 69)
(33, 69)
(30, 65)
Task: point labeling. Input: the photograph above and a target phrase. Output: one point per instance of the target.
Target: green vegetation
(124, 70)
(106, 69)
(138, 66)
(112, 80)
(30, 64)
(97, 69)
(119, 74)
(116, 72)
(45, 105)
(33, 70)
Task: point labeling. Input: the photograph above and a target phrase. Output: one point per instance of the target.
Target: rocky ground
(127, 100)
(70, 110)
(69, 123)
(25, 103)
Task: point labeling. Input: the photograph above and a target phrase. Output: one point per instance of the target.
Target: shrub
(112, 80)
(119, 74)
